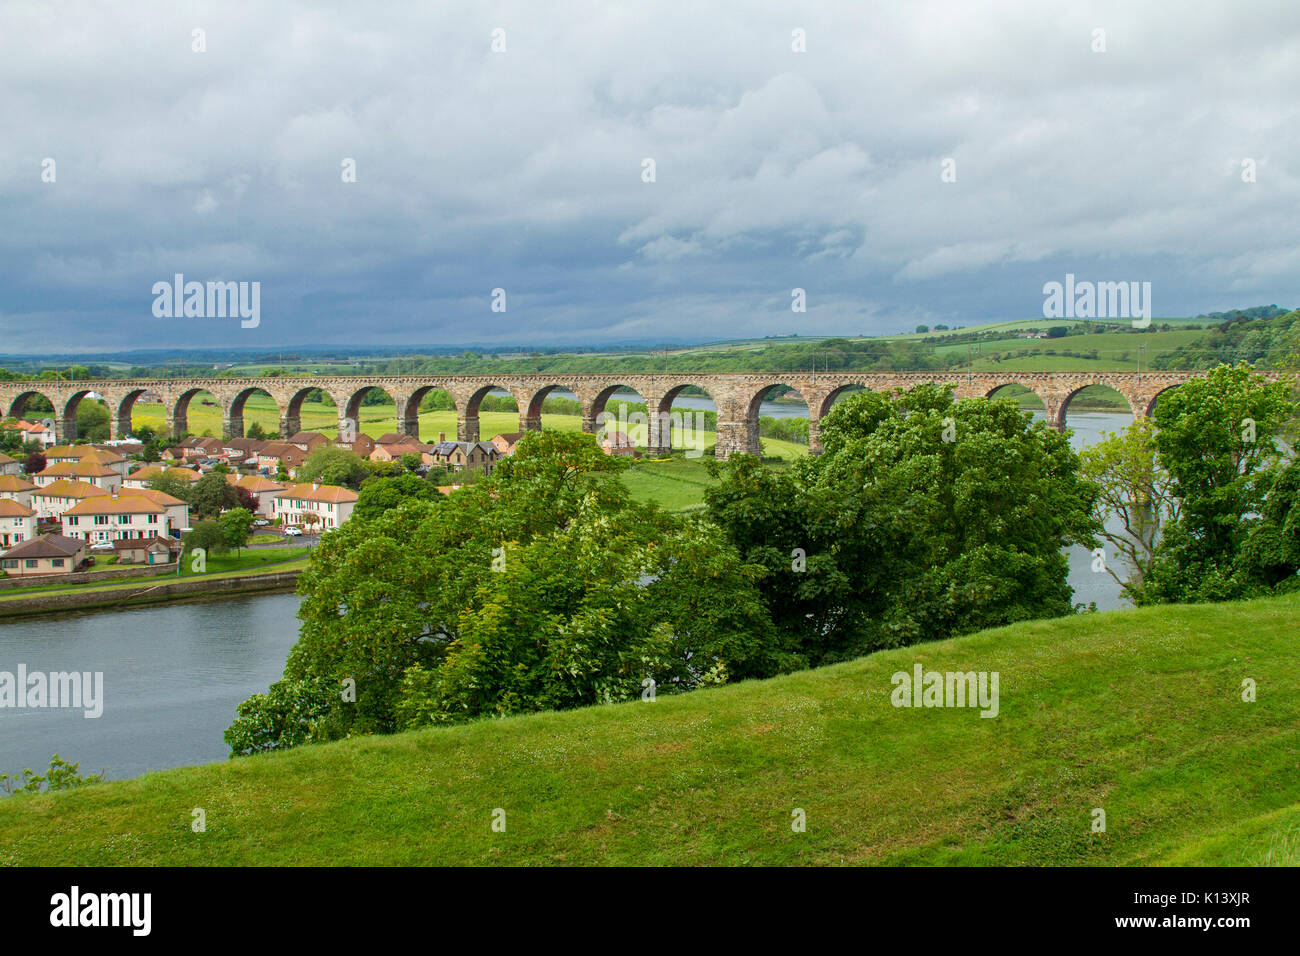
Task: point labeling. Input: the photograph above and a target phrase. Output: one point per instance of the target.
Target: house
(34, 431)
(176, 453)
(141, 477)
(363, 445)
(84, 470)
(264, 488)
(9, 466)
(50, 501)
(464, 455)
(16, 488)
(17, 523)
(618, 443)
(86, 454)
(328, 505)
(132, 515)
(125, 448)
(178, 511)
(505, 443)
(199, 448)
(276, 453)
(48, 554)
(153, 550)
(242, 451)
(393, 451)
(308, 441)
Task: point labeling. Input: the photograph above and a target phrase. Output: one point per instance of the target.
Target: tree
(35, 463)
(411, 461)
(310, 521)
(922, 328)
(377, 495)
(924, 518)
(255, 431)
(1136, 499)
(247, 499)
(211, 495)
(331, 465)
(545, 586)
(92, 420)
(206, 535)
(236, 527)
(172, 485)
(1217, 436)
(1270, 558)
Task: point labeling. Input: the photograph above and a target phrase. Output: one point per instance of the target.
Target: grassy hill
(1137, 712)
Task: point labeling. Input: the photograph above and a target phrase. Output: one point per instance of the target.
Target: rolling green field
(1136, 712)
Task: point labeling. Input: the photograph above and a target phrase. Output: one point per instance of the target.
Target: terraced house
(102, 476)
(17, 523)
(87, 454)
(317, 506)
(117, 517)
(16, 488)
(141, 477)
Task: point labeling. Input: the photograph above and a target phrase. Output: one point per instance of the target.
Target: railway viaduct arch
(736, 395)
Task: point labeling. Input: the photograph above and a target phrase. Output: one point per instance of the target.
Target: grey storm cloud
(522, 169)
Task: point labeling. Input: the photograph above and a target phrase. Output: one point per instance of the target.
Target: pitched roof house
(17, 523)
(48, 554)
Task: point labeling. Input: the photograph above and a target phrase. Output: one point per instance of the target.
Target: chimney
(315, 485)
(442, 437)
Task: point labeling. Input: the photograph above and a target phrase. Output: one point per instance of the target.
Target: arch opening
(369, 410)
(1092, 410)
(836, 395)
(686, 420)
(254, 413)
(197, 412)
(309, 410)
(1026, 398)
(430, 410)
(619, 418)
(781, 416)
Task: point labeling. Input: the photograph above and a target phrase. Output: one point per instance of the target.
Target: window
(101, 519)
(11, 564)
(153, 519)
(31, 563)
(72, 519)
(57, 562)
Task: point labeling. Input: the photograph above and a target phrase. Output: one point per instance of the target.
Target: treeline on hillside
(1270, 342)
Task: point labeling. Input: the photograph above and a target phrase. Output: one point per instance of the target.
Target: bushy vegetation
(1255, 337)
(1204, 492)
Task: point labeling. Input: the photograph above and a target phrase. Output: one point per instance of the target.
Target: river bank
(140, 594)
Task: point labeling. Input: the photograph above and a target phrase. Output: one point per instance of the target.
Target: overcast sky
(523, 169)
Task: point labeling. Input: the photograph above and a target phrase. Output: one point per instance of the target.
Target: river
(173, 674)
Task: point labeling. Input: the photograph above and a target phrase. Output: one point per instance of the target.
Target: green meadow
(1138, 713)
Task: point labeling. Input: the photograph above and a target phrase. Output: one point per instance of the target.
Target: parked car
(102, 546)
(261, 523)
(293, 532)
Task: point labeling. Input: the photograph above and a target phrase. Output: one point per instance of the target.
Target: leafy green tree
(92, 420)
(378, 495)
(207, 535)
(171, 485)
(410, 461)
(211, 495)
(1271, 554)
(544, 586)
(924, 518)
(1217, 436)
(255, 431)
(236, 527)
(334, 466)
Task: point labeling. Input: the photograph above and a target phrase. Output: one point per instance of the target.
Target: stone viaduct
(736, 395)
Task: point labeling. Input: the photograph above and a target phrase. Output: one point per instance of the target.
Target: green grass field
(1136, 712)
